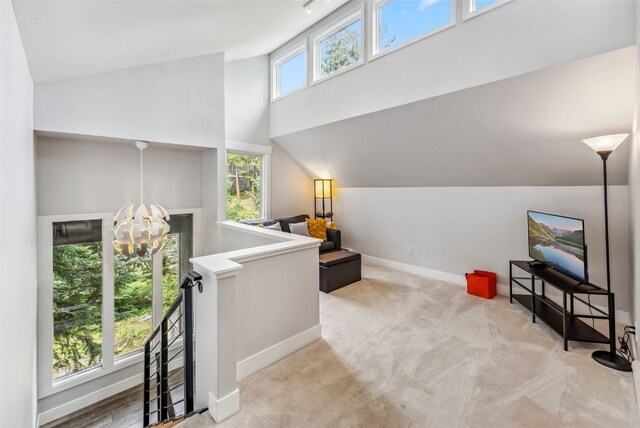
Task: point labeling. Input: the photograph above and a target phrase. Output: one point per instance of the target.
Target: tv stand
(561, 317)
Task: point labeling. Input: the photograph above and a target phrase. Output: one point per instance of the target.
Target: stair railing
(158, 372)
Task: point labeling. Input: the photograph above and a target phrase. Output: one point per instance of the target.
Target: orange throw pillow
(317, 228)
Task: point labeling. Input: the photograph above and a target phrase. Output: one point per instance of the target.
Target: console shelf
(561, 318)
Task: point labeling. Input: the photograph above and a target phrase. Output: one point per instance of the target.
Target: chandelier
(137, 231)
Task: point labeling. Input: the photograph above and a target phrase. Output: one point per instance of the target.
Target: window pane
(243, 186)
(293, 73)
(132, 303)
(77, 296)
(480, 4)
(341, 49)
(175, 257)
(404, 20)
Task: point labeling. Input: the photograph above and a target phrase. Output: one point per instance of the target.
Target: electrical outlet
(409, 251)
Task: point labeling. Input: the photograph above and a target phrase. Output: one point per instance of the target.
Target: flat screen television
(558, 242)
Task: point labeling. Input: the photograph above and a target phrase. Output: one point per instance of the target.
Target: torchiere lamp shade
(605, 143)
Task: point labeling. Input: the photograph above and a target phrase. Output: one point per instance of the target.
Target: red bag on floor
(482, 283)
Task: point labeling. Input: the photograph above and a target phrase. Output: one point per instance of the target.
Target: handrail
(163, 405)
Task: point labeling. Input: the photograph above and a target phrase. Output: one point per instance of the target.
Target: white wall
(516, 38)
(86, 176)
(634, 189)
(179, 102)
(291, 188)
(247, 100)
(247, 121)
(458, 229)
(18, 286)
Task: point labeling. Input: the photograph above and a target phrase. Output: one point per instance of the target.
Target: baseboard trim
(226, 406)
(277, 352)
(622, 317)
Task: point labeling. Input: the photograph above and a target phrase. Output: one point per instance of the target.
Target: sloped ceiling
(521, 131)
(69, 38)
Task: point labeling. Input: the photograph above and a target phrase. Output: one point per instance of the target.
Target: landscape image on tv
(557, 242)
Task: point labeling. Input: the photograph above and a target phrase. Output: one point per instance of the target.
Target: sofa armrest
(333, 235)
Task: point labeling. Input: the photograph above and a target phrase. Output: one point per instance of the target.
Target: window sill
(289, 93)
(91, 374)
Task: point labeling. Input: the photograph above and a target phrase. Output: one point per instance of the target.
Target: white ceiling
(68, 38)
(521, 131)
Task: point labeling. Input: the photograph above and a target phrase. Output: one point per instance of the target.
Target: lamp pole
(609, 358)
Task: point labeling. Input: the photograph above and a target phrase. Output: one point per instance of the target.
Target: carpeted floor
(400, 350)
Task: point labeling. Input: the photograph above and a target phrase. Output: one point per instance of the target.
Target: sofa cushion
(299, 228)
(274, 226)
(327, 246)
(284, 222)
(317, 228)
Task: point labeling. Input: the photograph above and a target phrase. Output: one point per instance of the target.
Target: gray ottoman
(339, 268)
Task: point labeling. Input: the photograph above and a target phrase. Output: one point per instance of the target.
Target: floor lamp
(604, 146)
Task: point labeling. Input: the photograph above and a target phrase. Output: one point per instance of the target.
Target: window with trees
(339, 47)
(244, 186)
(102, 305)
(397, 22)
(290, 72)
(77, 296)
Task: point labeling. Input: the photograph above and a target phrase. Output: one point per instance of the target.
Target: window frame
(265, 171)
(281, 59)
(342, 23)
(467, 13)
(47, 385)
(375, 29)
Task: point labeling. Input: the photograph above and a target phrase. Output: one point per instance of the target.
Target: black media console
(561, 317)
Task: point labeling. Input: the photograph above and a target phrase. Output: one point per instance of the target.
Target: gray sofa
(333, 242)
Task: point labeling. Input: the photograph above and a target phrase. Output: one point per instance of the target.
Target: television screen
(558, 242)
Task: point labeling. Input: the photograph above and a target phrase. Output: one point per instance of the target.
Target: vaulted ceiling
(69, 38)
(521, 131)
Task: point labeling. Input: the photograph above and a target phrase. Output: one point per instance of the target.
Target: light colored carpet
(400, 350)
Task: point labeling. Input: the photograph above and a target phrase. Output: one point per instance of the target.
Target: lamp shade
(606, 143)
(323, 188)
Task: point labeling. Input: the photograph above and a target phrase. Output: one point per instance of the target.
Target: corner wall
(458, 229)
(247, 121)
(18, 284)
(634, 189)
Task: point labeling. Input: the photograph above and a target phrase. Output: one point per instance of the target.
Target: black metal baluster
(164, 370)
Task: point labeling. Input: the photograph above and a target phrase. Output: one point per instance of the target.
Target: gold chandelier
(139, 230)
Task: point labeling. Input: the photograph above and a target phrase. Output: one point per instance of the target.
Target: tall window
(77, 296)
(100, 307)
(397, 22)
(244, 186)
(339, 47)
(133, 282)
(290, 72)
